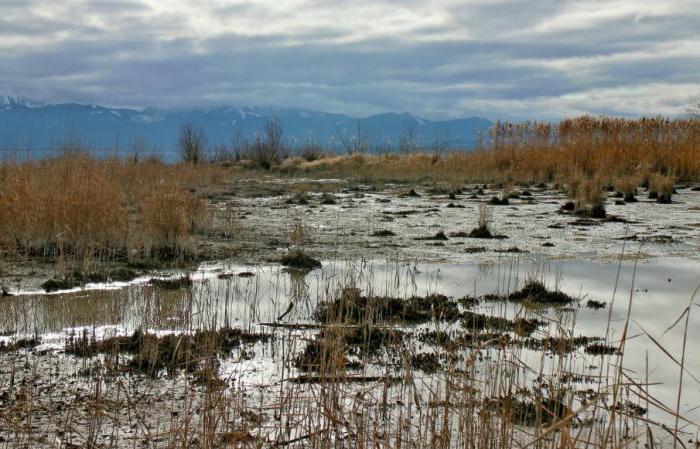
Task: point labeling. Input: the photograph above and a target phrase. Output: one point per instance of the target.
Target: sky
(507, 59)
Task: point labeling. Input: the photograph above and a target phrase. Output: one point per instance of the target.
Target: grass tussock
(626, 188)
(589, 198)
(661, 188)
(153, 354)
(75, 207)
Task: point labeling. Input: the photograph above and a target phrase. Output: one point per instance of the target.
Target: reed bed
(592, 147)
(76, 207)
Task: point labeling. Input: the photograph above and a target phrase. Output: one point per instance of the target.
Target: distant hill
(27, 126)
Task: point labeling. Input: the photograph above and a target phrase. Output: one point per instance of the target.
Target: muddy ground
(52, 399)
(424, 222)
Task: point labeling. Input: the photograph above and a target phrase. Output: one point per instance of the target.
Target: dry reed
(80, 208)
(604, 147)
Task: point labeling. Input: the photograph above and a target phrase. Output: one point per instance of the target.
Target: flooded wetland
(264, 224)
(356, 315)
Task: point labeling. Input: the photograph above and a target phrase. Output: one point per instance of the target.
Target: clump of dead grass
(661, 188)
(589, 198)
(626, 188)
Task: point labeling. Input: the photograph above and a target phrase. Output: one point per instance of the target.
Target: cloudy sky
(438, 58)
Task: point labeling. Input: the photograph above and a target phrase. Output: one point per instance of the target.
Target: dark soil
(439, 236)
(300, 261)
(410, 193)
(496, 201)
(477, 321)
(469, 302)
(569, 206)
(353, 307)
(383, 233)
(536, 292)
(595, 305)
(152, 354)
(595, 211)
(328, 199)
(332, 348)
(483, 232)
(512, 250)
(585, 222)
(300, 199)
(78, 279)
(171, 284)
(428, 362)
(600, 349)
(531, 413)
(23, 343)
(557, 345)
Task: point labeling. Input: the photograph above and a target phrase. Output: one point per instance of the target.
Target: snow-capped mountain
(30, 126)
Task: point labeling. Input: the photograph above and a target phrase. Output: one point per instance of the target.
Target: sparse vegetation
(483, 224)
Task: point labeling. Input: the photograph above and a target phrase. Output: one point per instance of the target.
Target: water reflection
(219, 297)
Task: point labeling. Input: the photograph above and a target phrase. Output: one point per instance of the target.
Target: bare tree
(357, 143)
(310, 150)
(408, 139)
(191, 143)
(221, 153)
(693, 107)
(273, 135)
(268, 150)
(240, 146)
(442, 142)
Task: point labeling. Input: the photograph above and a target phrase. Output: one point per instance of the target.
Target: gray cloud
(445, 58)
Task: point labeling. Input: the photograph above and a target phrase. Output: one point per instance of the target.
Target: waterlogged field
(414, 332)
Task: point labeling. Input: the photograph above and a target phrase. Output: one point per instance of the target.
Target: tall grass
(602, 147)
(80, 208)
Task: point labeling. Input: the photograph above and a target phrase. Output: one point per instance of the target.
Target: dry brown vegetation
(605, 148)
(76, 207)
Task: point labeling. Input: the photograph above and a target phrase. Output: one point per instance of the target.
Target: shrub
(269, 151)
(191, 143)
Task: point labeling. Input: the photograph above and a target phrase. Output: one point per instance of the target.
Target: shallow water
(661, 291)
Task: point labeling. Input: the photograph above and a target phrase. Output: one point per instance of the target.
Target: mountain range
(32, 127)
